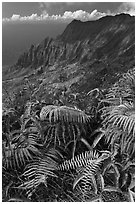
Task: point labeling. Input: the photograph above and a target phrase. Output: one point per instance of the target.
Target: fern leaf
(123, 117)
(17, 155)
(82, 160)
(63, 113)
(39, 170)
(97, 139)
(77, 161)
(78, 179)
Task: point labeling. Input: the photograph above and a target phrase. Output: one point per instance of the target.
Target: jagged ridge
(108, 37)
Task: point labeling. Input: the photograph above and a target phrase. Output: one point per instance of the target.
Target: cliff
(109, 37)
(85, 56)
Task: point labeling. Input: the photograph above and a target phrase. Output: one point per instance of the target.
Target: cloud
(67, 16)
(83, 15)
(15, 17)
(127, 7)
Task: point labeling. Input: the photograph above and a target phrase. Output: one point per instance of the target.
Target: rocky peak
(78, 30)
(87, 55)
(109, 37)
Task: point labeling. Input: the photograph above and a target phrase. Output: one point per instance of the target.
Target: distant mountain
(78, 31)
(86, 55)
(107, 38)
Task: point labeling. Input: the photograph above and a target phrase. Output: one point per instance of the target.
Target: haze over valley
(18, 37)
(25, 25)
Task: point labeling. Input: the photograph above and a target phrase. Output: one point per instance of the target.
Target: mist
(18, 37)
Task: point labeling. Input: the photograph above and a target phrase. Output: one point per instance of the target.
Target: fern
(124, 88)
(39, 170)
(119, 127)
(63, 124)
(123, 116)
(62, 133)
(78, 161)
(87, 176)
(15, 154)
(82, 160)
(87, 166)
(63, 113)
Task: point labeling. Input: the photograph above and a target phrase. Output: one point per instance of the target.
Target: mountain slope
(107, 37)
(87, 55)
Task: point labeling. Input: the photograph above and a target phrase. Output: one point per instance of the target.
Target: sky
(62, 11)
(27, 23)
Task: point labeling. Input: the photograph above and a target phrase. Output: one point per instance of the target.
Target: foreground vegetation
(55, 152)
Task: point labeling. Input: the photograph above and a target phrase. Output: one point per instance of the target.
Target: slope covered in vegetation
(85, 56)
(61, 153)
(69, 116)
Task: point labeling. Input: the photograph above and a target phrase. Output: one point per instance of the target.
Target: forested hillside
(69, 116)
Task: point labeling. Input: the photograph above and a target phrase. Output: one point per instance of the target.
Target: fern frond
(61, 133)
(63, 113)
(82, 160)
(17, 154)
(39, 170)
(90, 176)
(129, 144)
(124, 88)
(116, 136)
(111, 134)
(123, 116)
(78, 161)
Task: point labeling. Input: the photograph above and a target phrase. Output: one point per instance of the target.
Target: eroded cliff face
(107, 38)
(87, 55)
